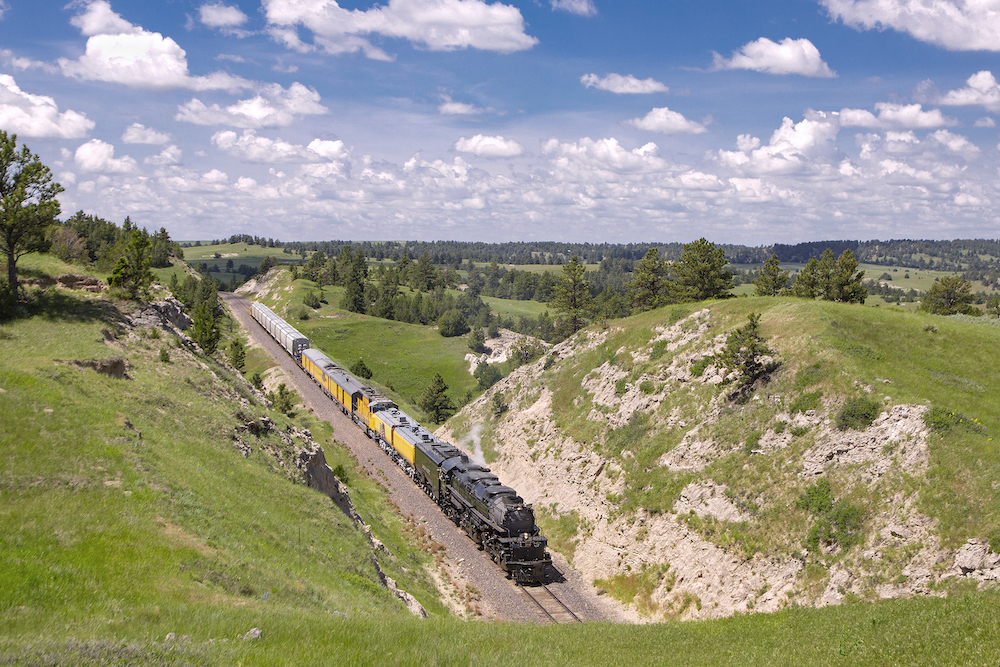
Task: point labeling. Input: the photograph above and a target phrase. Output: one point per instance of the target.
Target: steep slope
(146, 490)
(681, 500)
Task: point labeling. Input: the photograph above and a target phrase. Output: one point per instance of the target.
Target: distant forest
(977, 259)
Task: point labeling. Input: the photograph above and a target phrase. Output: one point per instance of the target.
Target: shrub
(360, 368)
(487, 375)
(281, 399)
(858, 413)
(340, 472)
(311, 299)
(806, 402)
(780, 426)
(621, 386)
(647, 387)
(452, 323)
(164, 355)
(659, 347)
(698, 367)
(498, 404)
(838, 523)
(817, 499)
(752, 441)
(257, 380)
(943, 420)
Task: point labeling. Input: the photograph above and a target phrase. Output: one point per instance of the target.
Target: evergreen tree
(845, 280)
(949, 296)
(435, 401)
(237, 354)
(354, 286)
(701, 272)
(572, 297)
(28, 204)
(744, 352)
(771, 280)
(651, 286)
(132, 272)
(205, 332)
(360, 368)
(808, 282)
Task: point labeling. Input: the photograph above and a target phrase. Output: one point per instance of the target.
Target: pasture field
(239, 253)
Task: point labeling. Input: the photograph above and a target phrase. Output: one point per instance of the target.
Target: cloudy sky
(576, 120)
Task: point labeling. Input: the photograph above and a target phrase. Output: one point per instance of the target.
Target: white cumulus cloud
(895, 116)
(273, 106)
(37, 115)
(98, 156)
(958, 25)
(665, 121)
(579, 7)
(616, 83)
(168, 156)
(120, 52)
(981, 89)
(437, 25)
(249, 147)
(450, 107)
(790, 56)
(137, 133)
(485, 146)
(219, 15)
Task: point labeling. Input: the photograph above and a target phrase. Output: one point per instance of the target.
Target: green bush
(360, 368)
(858, 413)
(817, 499)
(621, 386)
(943, 420)
(838, 522)
(452, 323)
(311, 299)
(698, 367)
(806, 402)
(164, 355)
(752, 441)
(487, 375)
(647, 387)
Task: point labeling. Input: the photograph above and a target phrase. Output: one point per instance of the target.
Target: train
(497, 520)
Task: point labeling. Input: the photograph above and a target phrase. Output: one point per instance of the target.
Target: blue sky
(576, 120)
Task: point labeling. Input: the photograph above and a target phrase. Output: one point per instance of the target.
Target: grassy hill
(128, 516)
(642, 459)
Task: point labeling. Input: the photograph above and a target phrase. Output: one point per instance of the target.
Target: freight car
(493, 515)
(280, 330)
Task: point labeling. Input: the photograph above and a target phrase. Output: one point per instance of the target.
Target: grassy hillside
(126, 513)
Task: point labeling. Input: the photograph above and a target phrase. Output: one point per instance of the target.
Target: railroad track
(551, 606)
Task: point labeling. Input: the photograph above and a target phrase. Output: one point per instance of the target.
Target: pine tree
(132, 272)
(948, 296)
(651, 286)
(435, 401)
(205, 332)
(771, 280)
(701, 272)
(845, 284)
(745, 350)
(807, 283)
(354, 286)
(237, 354)
(572, 297)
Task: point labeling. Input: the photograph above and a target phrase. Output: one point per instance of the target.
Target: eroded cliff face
(689, 500)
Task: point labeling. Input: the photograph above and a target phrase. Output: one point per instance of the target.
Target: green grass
(127, 514)
(515, 308)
